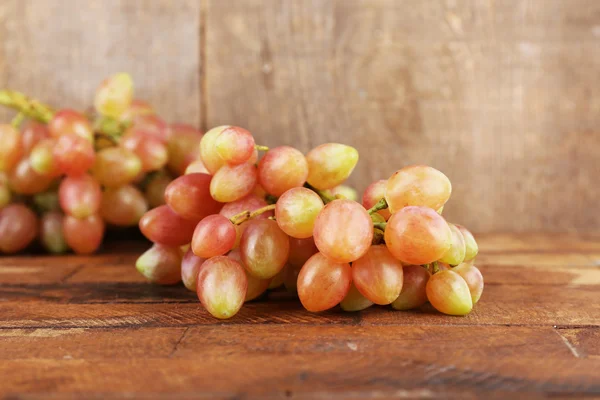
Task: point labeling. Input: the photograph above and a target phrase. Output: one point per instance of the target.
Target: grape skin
(456, 254)
(354, 300)
(222, 286)
(189, 196)
(208, 152)
(235, 145)
(472, 275)
(470, 244)
(160, 264)
(84, 236)
(413, 294)
(162, 225)
(51, 232)
(323, 283)
(214, 236)
(264, 248)
(80, 196)
(123, 206)
(296, 212)
(373, 193)
(233, 182)
(11, 150)
(18, 228)
(417, 185)
(330, 164)
(281, 169)
(378, 275)
(448, 293)
(190, 265)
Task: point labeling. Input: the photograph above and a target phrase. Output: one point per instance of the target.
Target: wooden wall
(501, 95)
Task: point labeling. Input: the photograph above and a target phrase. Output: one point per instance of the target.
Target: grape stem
(378, 237)
(246, 215)
(17, 120)
(258, 147)
(380, 225)
(327, 198)
(29, 107)
(380, 205)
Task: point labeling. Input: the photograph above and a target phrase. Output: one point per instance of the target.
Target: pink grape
(152, 126)
(456, 253)
(116, 166)
(247, 203)
(330, 164)
(378, 275)
(213, 236)
(297, 210)
(151, 151)
(208, 152)
(114, 95)
(123, 206)
(233, 182)
(51, 232)
(137, 108)
(161, 264)
(31, 134)
(84, 236)
(70, 122)
(196, 166)
(222, 286)
(23, 179)
(80, 196)
(413, 294)
(323, 283)
(183, 148)
(344, 192)
(73, 154)
(162, 225)
(474, 279)
(189, 196)
(190, 265)
(281, 169)
(351, 242)
(18, 228)
(42, 158)
(417, 185)
(373, 193)
(449, 293)
(301, 250)
(256, 286)
(235, 145)
(155, 189)
(471, 247)
(264, 248)
(10, 147)
(355, 301)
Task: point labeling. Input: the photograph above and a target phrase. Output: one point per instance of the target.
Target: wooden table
(90, 327)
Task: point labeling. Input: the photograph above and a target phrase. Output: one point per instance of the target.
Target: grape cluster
(65, 176)
(237, 224)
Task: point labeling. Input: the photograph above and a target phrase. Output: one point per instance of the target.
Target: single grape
(51, 232)
(31, 134)
(354, 300)
(256, 286)
(73, 155)
(290, 277)
(323, 283)
(417, 185)
(282, 169)
(190, 265)
(152, 126)
(247, 203)
(378, 275)
(10, 147)
(456, 253)
(196, 166)
(344, 192)
(208, 151)
(330, 164)
(18, 228)
(151, 151)
(160, 264)
(470, 244)
(417, 235)
(413, 294)
(23, 179)
(343, 231)
(114, 95)
(162, 225)
(189, 196)
(373, 193)
(155, 189)
(137, 108)
(377, 218)
(233, 182)
(183, 148)
(234, 145)
(259, 191)
(472, 275)
(264, 248)
(301, 250)
(84, 236)
(278, 279)
(296, 212)
(123, 206)
(42, 158)
(116, 166)
(70, 122)
(448, 293)
(5, 195)
(80, 196)
(222, 286)
(213, 236)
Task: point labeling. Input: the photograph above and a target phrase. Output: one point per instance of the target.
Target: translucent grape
(155, 189)
(160, 264)
(23, 179)
(183, 147)
(448, 293)
(73, 154)
(84, 236)
(297, 210)
(208, 152)
(417, 235)
(18, 228)
(70, 122)
(80, 196)
(301, 250)
(42, 158)
(232, 182)
(213, 236)
(281, 169)
(10, 147)
(189, 196)
(114, 95)
(456, 254)
(323, 283)
(330, 164)
(51, 233)
(290, 277)
(116, 166)
(5, 195)
(162, 225)
(344, 192)
(343, 231)
(234, 145)
(256, 286)
(31, 134)
(470, 244)
(264, 248)
(190, 265)
(222, 286)
(248, 203)
(377, 218)
(378, 275)
(413, 292)
(259, 191)
(278, 279)
(417, 185)
(196, 166)
(123, 206)
(152, 126)
(472, 275)
(137, 108)
(151, 151)
(354, 300)
(373, 193)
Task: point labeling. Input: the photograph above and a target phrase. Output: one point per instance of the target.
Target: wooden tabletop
(90, 327)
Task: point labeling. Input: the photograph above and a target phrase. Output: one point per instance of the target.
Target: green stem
(434, 268)
(246, 215)
(28, 106)
(261, 148)
(380, 225)
(326, 197)
(17, 120)
(380, 205)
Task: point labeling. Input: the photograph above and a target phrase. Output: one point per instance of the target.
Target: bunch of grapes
(237, 224)
(65, 176)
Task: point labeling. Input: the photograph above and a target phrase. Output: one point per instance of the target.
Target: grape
(155, 189)
(162, 225)
(413, 292)
(377, 218)
(344, 192)
(378, 275)
(42, 158)
(114, 96)
(417, 235)
(116, 166)
(354, 300)
(373, 193)
(296, 212)
(46, 201)
(456, 254)
(232, 182)
(51, 232)
(264, 248)
(290, 277)
(330, 164)
(31, 134)
(343, 231)
(208, 152)
(474, 279)
(151, 151)
(84, 236)
(196, 167)
(18, 228)
(222, 286)
(23, 179)
(281, 169)
(183, 147)
(189, 196)
(10, 147)
(5, 195)
(256, 286)
(137, 108)
(214, 236)
(160, 264)
(152, 126)
(259, 191)
(323, 283)
(471, 245)
(417, 185)
(123, 206)
(190, 266)
(234, 145)
(70, 122)
(278, 279)
(248, 203)
(80, 196)
(301, 250)
(74, 155)
(448, 292)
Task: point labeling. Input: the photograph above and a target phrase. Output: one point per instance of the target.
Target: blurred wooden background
(501, 95)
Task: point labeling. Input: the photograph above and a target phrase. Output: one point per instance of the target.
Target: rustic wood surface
(500, 95)
(90, 327)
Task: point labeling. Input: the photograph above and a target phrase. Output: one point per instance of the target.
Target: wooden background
(500, 95)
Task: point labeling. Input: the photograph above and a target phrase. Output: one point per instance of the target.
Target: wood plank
(583, 342)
